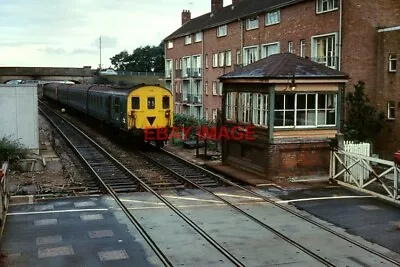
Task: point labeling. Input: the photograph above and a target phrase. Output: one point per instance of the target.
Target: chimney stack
(216, 5)
(236, 2)
(186, 16)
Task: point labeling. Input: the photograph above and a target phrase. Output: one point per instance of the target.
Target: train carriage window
(165, 102)
(135, 102)
(116, 105)
(151, 103)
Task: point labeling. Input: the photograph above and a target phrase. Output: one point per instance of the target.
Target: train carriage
(139, 110)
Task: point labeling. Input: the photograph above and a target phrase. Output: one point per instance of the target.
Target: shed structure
(19, 115)
(294, 106)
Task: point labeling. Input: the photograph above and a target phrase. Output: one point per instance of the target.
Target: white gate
(351, 165)
(358, 170)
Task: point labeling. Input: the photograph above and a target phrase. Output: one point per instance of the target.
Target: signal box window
(135, 103)
(165, 102)
(151, 103)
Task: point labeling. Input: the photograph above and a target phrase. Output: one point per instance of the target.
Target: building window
(228, 58)
(198, 37)
(168, 68)
(269, 49)
(392, 62)
(303, 48)
(180, 87)
(290, 47)
(206, 60)
(252, 23)
(186, 67)
(391, 110)
(214, 115)
(188, 39)
(273, 17)
(220, 88)
(238, 57)
(244, 107)
(214, 88)
(206, 114)
(222, 30)
(230, 105)
(206, 87)
(250, 55)
(215, 60)
(305, 110)
(180, 63)
(326, 5)
(170, 44)
(221, 59)
(260, 110)
(324, 50)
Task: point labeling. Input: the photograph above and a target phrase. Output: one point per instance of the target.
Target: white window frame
(215, 60)
(273, 17)
(220, 88)
(392, 62)
(260, 110)
(238, 57)
(320, 3)
(206, 87)
(228, 58)
(188, 39)
(335, 46)
(245, 60)
(265, 46)
(214, 114)
(303, 48)
(186, 66)
(170, 44)
(249, 22)
(206, 114)
(198, 37)
(245, 107)
(222, 30)
(319, 112)
(290, 47)
(214, 88)
(221, 59)
(391, 107)
(168, 68)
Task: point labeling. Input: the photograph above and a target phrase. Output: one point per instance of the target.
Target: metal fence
(134, 73)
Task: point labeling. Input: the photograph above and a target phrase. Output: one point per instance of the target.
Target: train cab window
(151, 103)
(135, 102)
(116, 105)
(165, 102)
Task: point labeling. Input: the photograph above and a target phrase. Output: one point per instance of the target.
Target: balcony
(186, 72)
(192, 99)
(329, 61)
(168, 74)
(196, 72)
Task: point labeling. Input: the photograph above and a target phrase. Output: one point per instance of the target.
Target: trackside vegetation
(11, 149)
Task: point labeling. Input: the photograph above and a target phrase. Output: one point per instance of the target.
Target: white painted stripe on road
(195, 199)
(238, 196)
(53, 211)
(141, 201)
(322, 198)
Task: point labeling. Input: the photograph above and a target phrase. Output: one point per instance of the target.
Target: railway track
(186, 173)
(184, 169)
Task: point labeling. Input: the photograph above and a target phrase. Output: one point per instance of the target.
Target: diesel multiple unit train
(143, 111)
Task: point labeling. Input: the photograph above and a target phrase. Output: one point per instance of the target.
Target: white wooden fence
(358, 170)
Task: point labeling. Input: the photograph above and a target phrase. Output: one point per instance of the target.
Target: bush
(11, 149)
(181, 120)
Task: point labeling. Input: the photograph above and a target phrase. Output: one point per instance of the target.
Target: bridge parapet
(45, 71)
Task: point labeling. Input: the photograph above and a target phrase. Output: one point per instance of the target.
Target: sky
(66, 33)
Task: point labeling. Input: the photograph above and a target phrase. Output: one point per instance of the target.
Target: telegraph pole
(100, 53)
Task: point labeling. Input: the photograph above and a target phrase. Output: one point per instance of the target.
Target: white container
(19, 114)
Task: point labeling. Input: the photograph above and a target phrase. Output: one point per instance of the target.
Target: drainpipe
(340, 34)
(203, 74)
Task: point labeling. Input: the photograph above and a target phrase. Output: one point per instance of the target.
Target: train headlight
(167, 114)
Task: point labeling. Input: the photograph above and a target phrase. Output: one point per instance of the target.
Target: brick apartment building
(359, 37)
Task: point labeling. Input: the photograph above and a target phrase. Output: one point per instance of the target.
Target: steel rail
(297, 214)
(287, 239)
(134, 221)
(199, 230)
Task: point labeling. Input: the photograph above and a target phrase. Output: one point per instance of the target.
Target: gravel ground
(58, 176)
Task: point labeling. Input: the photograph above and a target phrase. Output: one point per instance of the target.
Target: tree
(363, 121)
(143, 59)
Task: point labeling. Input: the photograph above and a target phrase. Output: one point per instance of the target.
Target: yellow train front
(144, 111)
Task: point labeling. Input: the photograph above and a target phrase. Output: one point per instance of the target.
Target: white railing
(352, 165)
